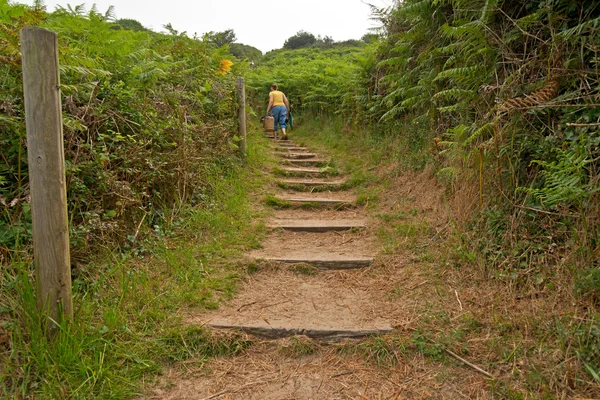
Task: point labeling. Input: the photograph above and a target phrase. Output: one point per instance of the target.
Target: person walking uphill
(279, 106)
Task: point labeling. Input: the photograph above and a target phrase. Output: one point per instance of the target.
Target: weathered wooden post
(241, 89)
(45, 150)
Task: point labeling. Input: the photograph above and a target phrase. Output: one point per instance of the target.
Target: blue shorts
(280, 115)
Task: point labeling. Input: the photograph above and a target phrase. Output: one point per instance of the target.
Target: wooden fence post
(241, 89)
(45, 150)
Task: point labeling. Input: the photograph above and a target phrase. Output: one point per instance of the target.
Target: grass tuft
(298, 347)
(304, 269)
(276, 202)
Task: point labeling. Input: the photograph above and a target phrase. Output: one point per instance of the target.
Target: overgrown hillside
(501, 99)
(146, 115)
(315, 79)
(154, 196)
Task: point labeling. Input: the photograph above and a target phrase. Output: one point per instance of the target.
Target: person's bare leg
(284, 134)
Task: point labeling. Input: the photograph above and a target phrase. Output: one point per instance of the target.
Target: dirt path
(330, 312)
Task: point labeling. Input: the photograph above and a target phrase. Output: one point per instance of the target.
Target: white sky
(264, 24)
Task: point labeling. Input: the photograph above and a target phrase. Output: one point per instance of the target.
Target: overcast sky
(264, 24)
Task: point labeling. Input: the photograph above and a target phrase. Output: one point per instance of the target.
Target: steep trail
(320, 228)
(326, 307)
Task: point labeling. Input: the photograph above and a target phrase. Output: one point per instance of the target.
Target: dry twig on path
(475, 367)
(225, 392)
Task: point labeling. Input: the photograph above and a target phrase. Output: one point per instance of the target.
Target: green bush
(146, 115)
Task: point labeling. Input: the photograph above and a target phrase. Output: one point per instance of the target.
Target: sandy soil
(266, 372)
(282, 299)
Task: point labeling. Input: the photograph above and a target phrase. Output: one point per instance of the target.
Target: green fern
(564, 180)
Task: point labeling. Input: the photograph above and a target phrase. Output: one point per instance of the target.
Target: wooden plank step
(299, 156)
(291, 149)
(286, 143)
(310, 183)
(324, 334)
(332, 263)
(317, 225)
(315, 200)
(296, 171)
(308, 163)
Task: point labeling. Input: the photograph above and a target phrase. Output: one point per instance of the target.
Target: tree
(324, 42)
(369, 38)
(131, 24)
(221, 38)
(300, 40)
(243, 51)
(349, 43)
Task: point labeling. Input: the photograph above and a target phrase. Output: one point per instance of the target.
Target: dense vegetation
(143, 122)
(510, 91)
(501, 98)
(314, 79)
(228, 38)
(154, 198)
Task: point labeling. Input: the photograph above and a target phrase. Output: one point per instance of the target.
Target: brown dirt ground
(298, 244)
(418, 289)
(282, 299)
(268, 372)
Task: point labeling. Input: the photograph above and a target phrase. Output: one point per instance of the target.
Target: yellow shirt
(277, 98)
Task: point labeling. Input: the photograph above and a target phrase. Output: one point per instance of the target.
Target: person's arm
(286, 102)
(270, 103)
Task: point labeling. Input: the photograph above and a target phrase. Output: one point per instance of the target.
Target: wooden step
(327, 263)
(317, 225)
(299, 156)
(319, 201)
(291, 149)
(297, 171)
(315, 162)
(286, 143)
(311, 183)
(324, 334)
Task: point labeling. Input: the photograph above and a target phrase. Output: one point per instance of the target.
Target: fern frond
(110, 14)
(6, 120)
(414, 101)
(563, 180)
(453, 93)
(577, 31)
(417, 8)
(450, 109)
(460, 72)
(540, 96)
(86, 72)
(486, 128)
(154, 73)
(394, 112)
